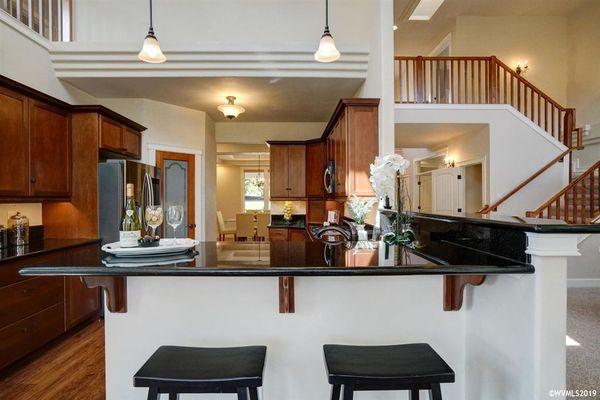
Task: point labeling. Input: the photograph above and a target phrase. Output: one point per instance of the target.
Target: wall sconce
(521, 67)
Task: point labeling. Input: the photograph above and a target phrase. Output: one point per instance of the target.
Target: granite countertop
(301, 259)
(40, 247)
(297, 222)
(525, 224)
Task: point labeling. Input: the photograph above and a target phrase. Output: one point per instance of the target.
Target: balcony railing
(480, 80)
(49, 18)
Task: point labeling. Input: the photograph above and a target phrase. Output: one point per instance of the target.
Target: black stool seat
(397, 367)
(175, 369)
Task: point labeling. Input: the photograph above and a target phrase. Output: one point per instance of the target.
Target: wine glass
(174, 219)
(154, 217)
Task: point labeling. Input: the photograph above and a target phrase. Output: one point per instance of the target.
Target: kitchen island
(506, 341)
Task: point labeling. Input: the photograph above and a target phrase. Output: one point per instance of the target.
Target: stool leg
(173, 396)
(153, 393)
(348, 392)
(253, 393)
(435, 393)
(242, 393)
(335, 392)
(413, 394)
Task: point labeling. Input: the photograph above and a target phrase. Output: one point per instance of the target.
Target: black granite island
(512, 327)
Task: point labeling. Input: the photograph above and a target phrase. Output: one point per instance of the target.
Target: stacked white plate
(165, 247)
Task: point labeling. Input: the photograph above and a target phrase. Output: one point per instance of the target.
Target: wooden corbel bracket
(286, 295)
(454, 288)
(115, 288)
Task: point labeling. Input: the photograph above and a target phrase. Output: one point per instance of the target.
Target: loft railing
(479, 80)
(51, 19)
(578, 203)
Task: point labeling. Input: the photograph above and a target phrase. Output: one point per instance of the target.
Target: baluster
(472, 64)
(433, 96)
(407, 81)
(575, 198)
(458, 83)
(452, 81)
(505, 85)
(466, 83)
(518, 95)
(479, 100)
(539, 119)
(532, 106)
(567, 202)
(512, 91)
(592, 194)
(583, 200)
(525, 109)
(557, 208)
(553, 121)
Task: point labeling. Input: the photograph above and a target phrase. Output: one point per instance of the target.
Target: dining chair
(245, 226)
(262, 225)
(224, 231)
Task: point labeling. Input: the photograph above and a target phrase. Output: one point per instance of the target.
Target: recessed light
(425, 10)
(395, 27)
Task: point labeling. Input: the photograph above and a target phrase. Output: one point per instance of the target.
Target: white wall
(259, 132)
(266, 24)
(209, 169)
(512, 159)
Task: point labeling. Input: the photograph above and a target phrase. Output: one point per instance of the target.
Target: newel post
(420, 75)
(568, 127)
(493, 80)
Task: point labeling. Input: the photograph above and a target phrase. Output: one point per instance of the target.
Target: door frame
(199, 206)
(484, 182)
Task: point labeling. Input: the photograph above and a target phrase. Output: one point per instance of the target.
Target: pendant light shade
(327, 51)
(231, 110)
(151, 52)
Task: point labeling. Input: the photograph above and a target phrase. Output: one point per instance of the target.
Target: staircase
(487, 80)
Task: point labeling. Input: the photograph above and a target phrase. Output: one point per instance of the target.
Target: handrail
(494, 206)
(575, 194)
(479, 80)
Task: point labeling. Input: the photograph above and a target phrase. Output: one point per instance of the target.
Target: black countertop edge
(45, 246)
(277, 272)
(276, 225)
(519, 224)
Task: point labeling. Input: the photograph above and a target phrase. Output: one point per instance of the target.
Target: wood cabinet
(287, 235)
(118, 138)
(35, 310)
(36, 148)
(49, 150)
(14, 136)
(287, 166)
(352, 143)
(315, 167)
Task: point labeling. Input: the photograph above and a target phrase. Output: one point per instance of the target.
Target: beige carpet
(583, 326)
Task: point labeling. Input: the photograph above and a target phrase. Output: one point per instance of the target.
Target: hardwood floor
(70, 369)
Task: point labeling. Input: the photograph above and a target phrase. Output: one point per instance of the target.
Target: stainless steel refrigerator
(113, 177)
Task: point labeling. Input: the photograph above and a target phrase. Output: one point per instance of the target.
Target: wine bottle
(131, 227)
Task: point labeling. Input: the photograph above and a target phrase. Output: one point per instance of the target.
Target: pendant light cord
(151, 28)
(326, 15)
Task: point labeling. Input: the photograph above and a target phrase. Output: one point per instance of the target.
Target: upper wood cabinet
(14, 136)
(120, 139)
(287, 165)
(352, 143)
(49, 150)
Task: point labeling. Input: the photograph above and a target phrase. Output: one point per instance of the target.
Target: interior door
(178, 187)
(448, 191)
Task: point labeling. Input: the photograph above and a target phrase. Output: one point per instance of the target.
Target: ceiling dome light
(327, 51)
(231, 110)
(151, 52)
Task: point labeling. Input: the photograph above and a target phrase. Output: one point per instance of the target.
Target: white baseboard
(583, 283)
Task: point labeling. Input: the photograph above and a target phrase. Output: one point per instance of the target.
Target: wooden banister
(480, 80)
(578, 202)
(494, 206)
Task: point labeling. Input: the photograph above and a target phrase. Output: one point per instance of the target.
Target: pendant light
(327, 51)
(151, 52)
(231, 110)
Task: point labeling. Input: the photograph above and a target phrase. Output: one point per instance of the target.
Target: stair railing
(577, 203)
(479, 80)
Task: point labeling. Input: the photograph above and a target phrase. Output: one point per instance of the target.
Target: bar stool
(410, 367)
(176, 370)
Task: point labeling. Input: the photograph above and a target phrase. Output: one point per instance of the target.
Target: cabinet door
(50, 150)
(132, 143)
(14, 118)
(278, 234)
(279, 170)
(111, 134)
(341, 158)
(81, 302)
(315, 167)
(298, 235)
(297, 170)
(362, 147)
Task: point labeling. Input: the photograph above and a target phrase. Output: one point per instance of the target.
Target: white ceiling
(431, 135)
(416, 34)
(265, 99)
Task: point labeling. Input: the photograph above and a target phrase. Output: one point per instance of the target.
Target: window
(254, 190)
